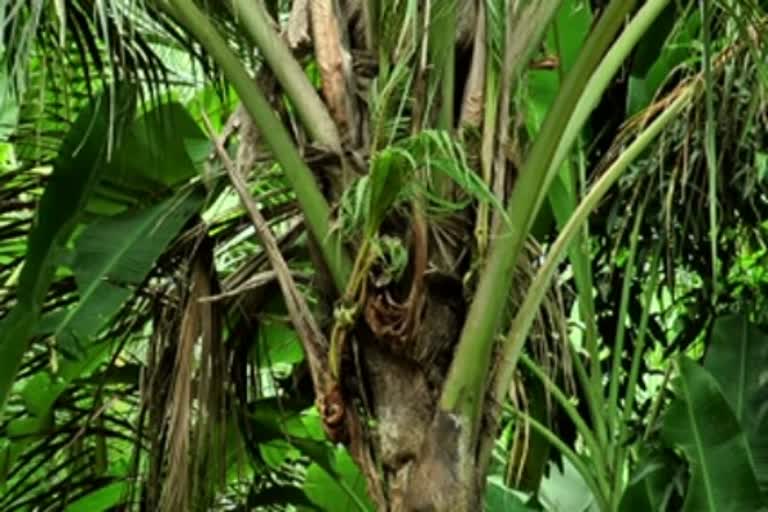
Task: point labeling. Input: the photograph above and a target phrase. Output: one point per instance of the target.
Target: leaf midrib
(698, 443)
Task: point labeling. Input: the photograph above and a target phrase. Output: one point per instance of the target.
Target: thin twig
(312, 338)
(256, 281)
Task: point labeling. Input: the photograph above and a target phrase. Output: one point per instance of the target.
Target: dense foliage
(257, 255)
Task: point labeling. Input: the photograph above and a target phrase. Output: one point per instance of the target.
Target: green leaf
(649, 74)
(280, 495)
(278, 344)
(388, 172)
(164, 146)
(439, 153)
(761, 165)
(566, 490)
(281, 419)
(100, 500)
(37, 393)
(276, 452)
(159, 151)
(649, 488)
(113, 255)
(701, 422)
(567, 35)
(78, 168)
(342, 489)
(737, 356)
(650, 47)
(500, 498)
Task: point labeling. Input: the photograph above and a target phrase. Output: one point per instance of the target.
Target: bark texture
(424, 466)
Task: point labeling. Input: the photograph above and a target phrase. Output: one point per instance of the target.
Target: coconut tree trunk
(423, 467)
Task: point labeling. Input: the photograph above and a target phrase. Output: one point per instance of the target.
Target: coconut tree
(416, 174)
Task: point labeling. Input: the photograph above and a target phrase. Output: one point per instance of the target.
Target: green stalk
(594, 402)
(563, 200)
(522, 322)
(443, 43)
(710, 146)
(618, 348)
(614, 59)
(464, 388)
(285, 67)
(590, 440)
(653, 414)
(371, 13)
(345, 321)
(313, 205)
(599, 486)
(634, 374)
(582, 272)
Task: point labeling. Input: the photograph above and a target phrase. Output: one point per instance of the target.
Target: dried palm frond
(184, 392)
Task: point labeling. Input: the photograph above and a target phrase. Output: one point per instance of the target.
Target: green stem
(313, 205)
(613, 60)
(634, 373)
(598, 486)
(593, 402)
(522, 322)
(346, 317)
(285, 67)
(710, 145)
(618, 348)
(464, 388)
(371, 13)
(589, 439)
(657, 401)
(587, 310)
(443, 44)
(622, 451)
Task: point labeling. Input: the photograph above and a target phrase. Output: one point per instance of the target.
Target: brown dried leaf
(334, 63)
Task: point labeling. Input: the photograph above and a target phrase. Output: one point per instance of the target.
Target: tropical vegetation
(436, 255)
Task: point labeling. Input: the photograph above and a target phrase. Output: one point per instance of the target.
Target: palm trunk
(421, 464)
(413, 355)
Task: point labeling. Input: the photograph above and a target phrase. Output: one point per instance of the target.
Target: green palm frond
(496, 18)
(103, 35)
(57, 54)
(414, 165)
